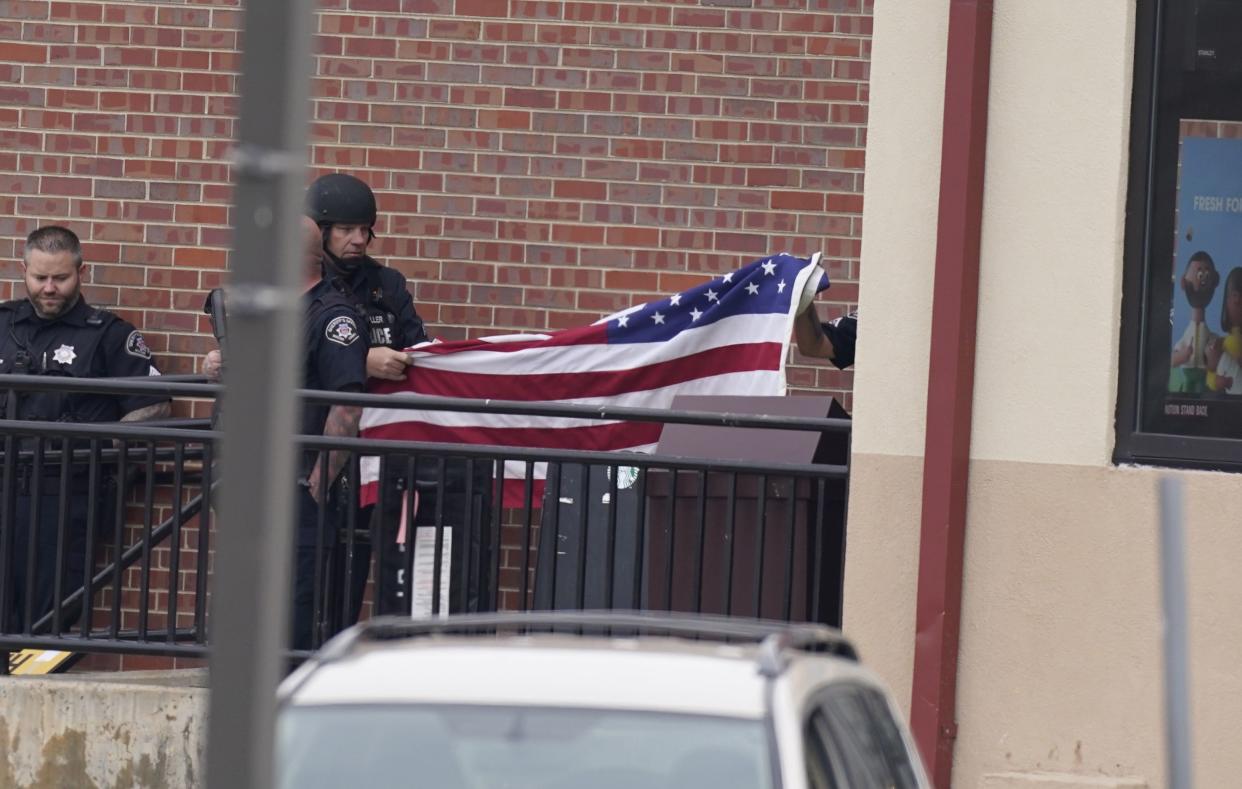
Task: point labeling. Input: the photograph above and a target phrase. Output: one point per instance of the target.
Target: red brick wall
(538, 164)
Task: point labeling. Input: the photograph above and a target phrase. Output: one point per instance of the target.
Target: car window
(888, 732)
(476, 747)
(862, 739)
(817, 750)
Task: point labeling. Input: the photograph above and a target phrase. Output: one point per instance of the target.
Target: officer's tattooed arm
(342, 422)
(155, 411)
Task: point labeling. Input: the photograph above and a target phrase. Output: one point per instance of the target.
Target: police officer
(336, 359)
(54, 332)
(344, 208)
(832, 340)
(335, 353)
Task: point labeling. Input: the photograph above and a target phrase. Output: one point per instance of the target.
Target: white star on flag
(752, 288)
(728, 277)
(711, 295)
(769, 269)
(695, 314)
(675, 299)
(780, 286)
(623, 321)
(658, 318)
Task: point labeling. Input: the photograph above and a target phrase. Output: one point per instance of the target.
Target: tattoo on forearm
(342, 422)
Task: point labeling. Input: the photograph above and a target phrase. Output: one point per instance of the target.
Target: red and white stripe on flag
(728, 336)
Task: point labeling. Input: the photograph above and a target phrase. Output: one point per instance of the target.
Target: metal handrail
(154, 385)
(128, 557)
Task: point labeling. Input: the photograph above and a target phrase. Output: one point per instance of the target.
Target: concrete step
(104, 730)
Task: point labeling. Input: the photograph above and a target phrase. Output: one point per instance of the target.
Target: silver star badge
(64, 355)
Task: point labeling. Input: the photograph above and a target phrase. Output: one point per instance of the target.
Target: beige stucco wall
(1059, 675)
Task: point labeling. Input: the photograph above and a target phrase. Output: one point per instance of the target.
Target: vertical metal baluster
(204, 544)
(118, 539)
(553, 478)
(174, 544)
(92, 523)
(438, 553)
(320, 583)
(62, 538)
(700, 545)
(584, 506)
(379, 546)
(791, 524)
(8, 525)
(730, 542)
(528, 495)
(413, 502)
(469, 527)
(494, 520)
(610, 536)
(761, 535)
(817, 553)
(351, 535)
(670, 562)
(845, 508)
(36, 497)
(640, 537)
(148, 504)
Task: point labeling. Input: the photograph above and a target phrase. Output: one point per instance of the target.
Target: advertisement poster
(1204, 388)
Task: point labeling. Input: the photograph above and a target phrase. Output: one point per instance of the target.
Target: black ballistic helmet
(340, 199)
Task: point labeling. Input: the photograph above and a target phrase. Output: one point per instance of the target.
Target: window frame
(1146, 213)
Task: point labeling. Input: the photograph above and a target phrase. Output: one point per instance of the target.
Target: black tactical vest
(381, 321)
(57, 348)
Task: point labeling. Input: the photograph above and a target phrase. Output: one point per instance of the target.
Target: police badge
(135, 345)
(341, 330)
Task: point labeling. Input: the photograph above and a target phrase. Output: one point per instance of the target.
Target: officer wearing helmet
(344, 209)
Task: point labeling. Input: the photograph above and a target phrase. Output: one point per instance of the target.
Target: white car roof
(656, 674)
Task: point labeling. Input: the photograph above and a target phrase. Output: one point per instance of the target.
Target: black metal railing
(106, 529)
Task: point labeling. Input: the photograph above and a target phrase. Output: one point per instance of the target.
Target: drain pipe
(950, 386)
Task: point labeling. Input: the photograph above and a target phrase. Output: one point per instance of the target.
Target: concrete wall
(1059, 679)
(101, 732)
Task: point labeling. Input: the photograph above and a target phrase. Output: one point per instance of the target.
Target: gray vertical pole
(250, 585)
(1176, 659)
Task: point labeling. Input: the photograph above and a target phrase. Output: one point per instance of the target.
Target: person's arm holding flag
(833, 340)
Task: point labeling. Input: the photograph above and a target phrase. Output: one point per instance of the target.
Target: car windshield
(471, 747)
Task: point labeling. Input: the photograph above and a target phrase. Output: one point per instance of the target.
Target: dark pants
(468, 555)
(36, 591)
(319, 571)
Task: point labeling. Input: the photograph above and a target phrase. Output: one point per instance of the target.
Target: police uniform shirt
(380, 296)
(84, 342)
(843, 333)
(336, 359)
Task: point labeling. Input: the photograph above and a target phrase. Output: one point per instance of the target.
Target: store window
(1180, 394)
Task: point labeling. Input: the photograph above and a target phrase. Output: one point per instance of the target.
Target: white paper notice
(424, 570)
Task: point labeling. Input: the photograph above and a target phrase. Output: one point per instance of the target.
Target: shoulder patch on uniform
(341, 330)
(135, 345)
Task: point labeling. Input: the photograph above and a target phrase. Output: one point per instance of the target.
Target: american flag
(727, 336)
